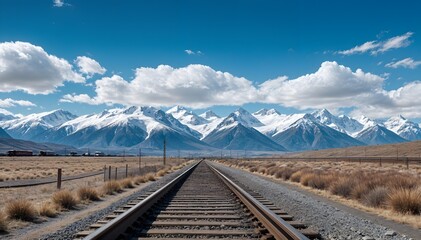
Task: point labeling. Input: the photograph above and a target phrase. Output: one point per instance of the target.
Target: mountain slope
(31, 125)
(308, 133)
(404, 128)
(129, 127)
(232, 134)
(377, 134)
(3, 134)
(341, 123)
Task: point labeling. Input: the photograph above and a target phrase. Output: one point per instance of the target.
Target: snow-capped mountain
(236, 132)
(202, 125)
(404, 128)
(377, 134)
(27, 127)
(308, 133)
(3, 134)
(340, 123)
(144, 127)
(274, 122)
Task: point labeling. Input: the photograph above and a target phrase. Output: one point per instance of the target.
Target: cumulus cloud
(191, 52)
(331, 86)
(79, 98)
(195, 86)
(29, 68)
(375, 47)
(405, 63)
(89, 66)
(8, 102)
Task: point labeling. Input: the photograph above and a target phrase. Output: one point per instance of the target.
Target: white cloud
(331, 86)
(60, 3)
(89, 66)
(29, 68)
(80, 98)
(375, 47)
(8, 102)
(195, 86)
(405, 63)
(191, 52)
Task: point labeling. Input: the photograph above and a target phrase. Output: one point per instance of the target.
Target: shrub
(296, 177)
(253, 169)
(127, 183)
(112, 187)
(48, 210)
(343, 187)
(21, 209)
(150, 177)
(86, 193)
(262, 170)
(320, 181)
(65, 199)
(406, 200)
(139, 179)
(376, 197)
(3, 222)
(305, 178)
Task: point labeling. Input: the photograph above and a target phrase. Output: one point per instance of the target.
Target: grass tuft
(65, 199)
(112, 187)
(87, 193)
(127, 183)
(48, 210)
(406, 201)
(342, 187)
(21, 209)
(376, 197)
(150, 177)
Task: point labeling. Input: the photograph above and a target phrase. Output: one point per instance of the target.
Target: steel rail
(117, 226)
(276, 226)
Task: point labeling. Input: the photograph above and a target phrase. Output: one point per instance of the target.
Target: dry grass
(48, 210)
(3, 222)
(127, 183)
(406, 201)
(21, 209)
(65, 199)
(88, 193)
(150, 177)
(390, 187)
(112, 187)
(139, 180)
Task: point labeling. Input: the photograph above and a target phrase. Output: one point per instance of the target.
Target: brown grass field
(15, 168)
(390, 190)
(47, 201)
(410, 149)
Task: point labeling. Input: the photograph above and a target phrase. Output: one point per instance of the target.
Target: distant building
(19, 153)
(99, 154)
(46, 153)
(73, 153)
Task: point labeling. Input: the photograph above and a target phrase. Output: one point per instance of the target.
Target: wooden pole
(127, 169)
(59, 178)
(105, 173)
(109, 173)
(115, 177)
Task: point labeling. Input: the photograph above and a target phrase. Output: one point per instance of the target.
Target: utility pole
(165, 151)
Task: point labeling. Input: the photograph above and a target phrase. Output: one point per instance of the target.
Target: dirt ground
(15, 168)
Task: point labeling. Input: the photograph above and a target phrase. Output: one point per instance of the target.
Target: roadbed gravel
(331, 221)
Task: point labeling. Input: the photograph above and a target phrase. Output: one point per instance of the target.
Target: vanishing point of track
(200, 203)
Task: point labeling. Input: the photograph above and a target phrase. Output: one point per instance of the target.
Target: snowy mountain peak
(323, 115)
(403, 127)
(266, 112)
(367, 122)
(245, 118)
(209, 115)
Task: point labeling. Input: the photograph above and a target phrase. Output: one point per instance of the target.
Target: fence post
(59, 178)
(109, 173)
(105, 173)
(127, 168)
(115, 173)
(407, 163)
(380, 161)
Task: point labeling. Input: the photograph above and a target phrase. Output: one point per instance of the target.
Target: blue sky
(304, 47)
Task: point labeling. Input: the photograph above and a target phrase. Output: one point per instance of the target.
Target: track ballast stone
(331, 222)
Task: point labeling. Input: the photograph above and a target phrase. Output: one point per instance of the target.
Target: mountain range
(147, 127)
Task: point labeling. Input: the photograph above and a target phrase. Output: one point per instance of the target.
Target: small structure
(99, 154)
(73, 153)
(46, 153)
(19, 153)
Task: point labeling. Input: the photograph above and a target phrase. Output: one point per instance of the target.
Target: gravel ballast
(331, 222)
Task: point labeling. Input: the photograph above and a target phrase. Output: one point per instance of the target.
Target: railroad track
(200, 203)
